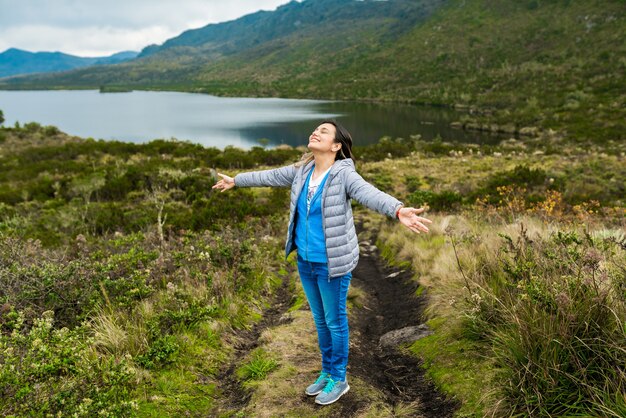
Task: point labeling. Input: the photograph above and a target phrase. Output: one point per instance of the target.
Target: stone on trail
(404, 335)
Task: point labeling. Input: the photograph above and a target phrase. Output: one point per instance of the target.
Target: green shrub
(413, 183)
(32, 127)
(163, 351)
(52, 372)
(445, 200)
(555, 320)
(51, 130)
(521, 175)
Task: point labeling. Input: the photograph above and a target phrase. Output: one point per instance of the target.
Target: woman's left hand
(408, 217)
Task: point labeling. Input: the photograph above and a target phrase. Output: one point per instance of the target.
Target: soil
(234, 396)
(388, 305)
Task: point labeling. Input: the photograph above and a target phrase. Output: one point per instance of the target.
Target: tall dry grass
(546, 303)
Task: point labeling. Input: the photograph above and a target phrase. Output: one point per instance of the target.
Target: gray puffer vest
(343, 183)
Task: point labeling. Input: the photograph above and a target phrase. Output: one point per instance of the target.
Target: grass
(136, 320)
(257, 367)
(456, 365)
(528, 317)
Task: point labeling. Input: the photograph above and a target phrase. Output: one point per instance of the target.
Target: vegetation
(525, 286)
(513, 64)
(124, 278)
(101, 305)
(528, 317)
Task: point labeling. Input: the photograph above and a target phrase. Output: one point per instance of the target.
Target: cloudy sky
(98, 27)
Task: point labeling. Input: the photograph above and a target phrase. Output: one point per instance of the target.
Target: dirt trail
(234, 396)
(388, 304)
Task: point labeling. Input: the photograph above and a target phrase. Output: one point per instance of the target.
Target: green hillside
(555, 64)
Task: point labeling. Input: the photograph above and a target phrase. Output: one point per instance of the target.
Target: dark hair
(343, 137)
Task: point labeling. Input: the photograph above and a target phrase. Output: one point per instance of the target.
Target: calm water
(216, 121)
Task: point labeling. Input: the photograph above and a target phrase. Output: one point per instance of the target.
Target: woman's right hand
(225, 183)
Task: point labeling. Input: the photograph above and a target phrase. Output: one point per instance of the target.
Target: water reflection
(368, 122)
(216, 121)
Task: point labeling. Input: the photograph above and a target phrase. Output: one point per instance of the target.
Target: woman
(321, 228)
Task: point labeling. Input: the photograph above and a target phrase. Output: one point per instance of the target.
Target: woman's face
(323, 139)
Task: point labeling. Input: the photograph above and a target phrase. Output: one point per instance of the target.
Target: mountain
(558, 64)
(194, 60)
(16, 61)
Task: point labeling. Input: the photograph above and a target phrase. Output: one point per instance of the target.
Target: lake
(141, 116)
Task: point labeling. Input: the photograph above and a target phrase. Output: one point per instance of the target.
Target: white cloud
(84, 41)
(97, 28)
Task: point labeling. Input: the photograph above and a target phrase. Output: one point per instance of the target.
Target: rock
(509, 129)
(529, 131)
(472, 126)
(285, 318)
(404, 335)
(392, 275)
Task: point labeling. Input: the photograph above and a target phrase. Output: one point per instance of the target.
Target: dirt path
(234, 396)
(386, 380)
(389, 305)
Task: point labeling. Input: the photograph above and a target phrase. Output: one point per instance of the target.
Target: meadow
(124, 279)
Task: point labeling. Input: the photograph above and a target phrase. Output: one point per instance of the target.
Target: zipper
(292, 224)
(326, 185)
(308, 209)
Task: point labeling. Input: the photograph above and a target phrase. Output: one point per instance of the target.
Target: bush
(445, 200)
(521, 175)
(32, 127)
(50, 372)
(162, 352)
(51, 130)
(554, 316)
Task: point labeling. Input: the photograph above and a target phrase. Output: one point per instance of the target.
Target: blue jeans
(327, 299)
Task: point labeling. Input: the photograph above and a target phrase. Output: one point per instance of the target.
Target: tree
(1, 117)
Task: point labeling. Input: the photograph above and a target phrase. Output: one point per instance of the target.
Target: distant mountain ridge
(295, 17)
(15, 61)
(558, 64)
(202, 59)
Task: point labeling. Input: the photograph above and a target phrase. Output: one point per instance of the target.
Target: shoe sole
(336, 399)
(313, 393)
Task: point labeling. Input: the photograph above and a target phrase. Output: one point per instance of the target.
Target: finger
(421, 227)
(411, 227)
(418, 210)
(422, 220)
(222, 175)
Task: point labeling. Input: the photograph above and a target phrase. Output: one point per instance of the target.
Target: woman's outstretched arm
(369, 196)
(277, 177)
